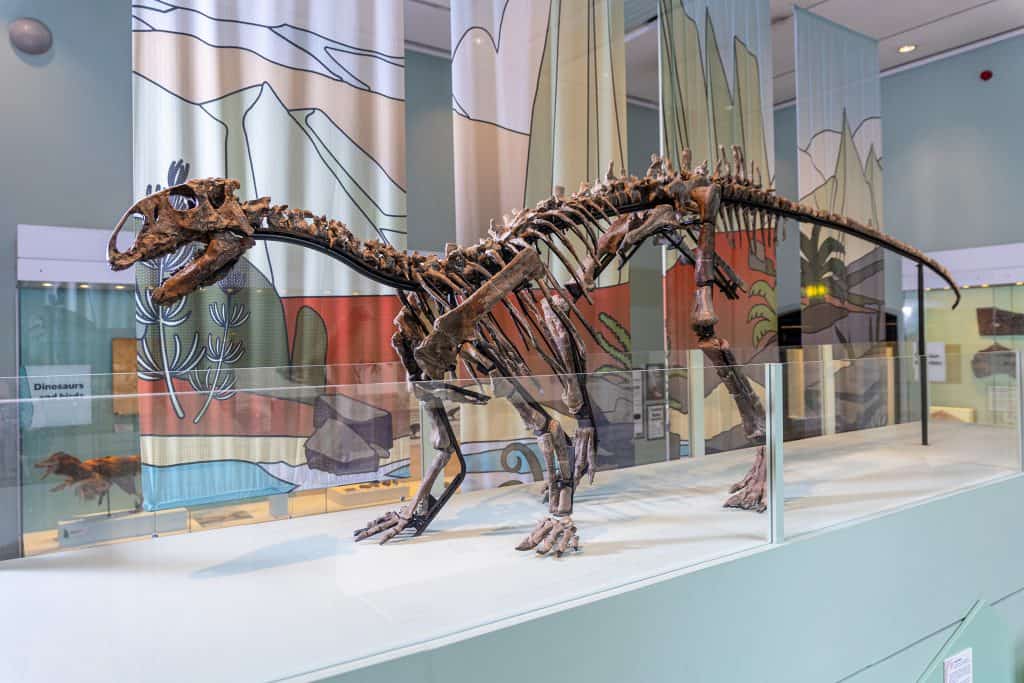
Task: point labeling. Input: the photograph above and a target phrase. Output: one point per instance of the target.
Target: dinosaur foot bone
(391, 524)
(552, 534)
(749, 492)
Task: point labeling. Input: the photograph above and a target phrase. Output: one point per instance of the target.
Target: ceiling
(935, 26)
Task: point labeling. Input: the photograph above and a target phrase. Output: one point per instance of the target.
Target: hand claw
(391, 524)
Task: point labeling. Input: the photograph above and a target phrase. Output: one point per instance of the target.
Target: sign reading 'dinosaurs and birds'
(61, 395)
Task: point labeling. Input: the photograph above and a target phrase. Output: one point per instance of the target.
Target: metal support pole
(1017, 358)
(695, 395)
(773, 450)
(828, 391)
(922, 354)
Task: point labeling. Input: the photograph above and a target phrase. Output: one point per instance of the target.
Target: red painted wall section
(740, 321)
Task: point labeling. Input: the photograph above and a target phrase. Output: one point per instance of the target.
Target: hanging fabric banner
(839, 134)
(539, 106)
(303, 102)
(716, 92)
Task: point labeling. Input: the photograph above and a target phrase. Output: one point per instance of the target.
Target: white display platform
(285, 599)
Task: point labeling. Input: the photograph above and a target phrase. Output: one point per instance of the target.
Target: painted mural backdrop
(539, 102)
(715, 86)
(302, 101)
(839, 133)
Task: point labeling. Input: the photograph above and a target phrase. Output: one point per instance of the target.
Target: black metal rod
(922, 357)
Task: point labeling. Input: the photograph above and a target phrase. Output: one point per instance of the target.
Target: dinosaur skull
(56, 463)
(204, 210)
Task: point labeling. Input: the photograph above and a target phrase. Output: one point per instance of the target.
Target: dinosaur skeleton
(449, 304)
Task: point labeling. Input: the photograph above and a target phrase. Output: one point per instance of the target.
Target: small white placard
(959, 668)
(936, 361)
(655, 422)
(70, 384)
(638, 404)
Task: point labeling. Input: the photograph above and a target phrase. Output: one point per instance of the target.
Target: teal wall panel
(985, 635)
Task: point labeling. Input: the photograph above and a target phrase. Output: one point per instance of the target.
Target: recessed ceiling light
(904, 49)
(83, 286)
(47, 284)
(118, 286)
(984, 285)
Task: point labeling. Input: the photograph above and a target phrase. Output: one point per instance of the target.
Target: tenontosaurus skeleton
(449, 303)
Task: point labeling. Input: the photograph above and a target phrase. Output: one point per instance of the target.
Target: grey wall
(429, 160)
(647, 309)
(787, 251)
(953, 148)
(66, 149)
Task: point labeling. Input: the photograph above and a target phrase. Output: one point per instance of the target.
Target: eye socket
(183, 198)
(217, 196)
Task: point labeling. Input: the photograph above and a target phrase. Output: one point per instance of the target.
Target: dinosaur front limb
(437, 353)
(420, 512)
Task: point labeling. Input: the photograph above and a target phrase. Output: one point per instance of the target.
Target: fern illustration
(764, 313)
(621, 353)
(171, 361)
(218, 380)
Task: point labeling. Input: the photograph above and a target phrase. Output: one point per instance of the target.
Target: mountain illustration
(701, 110)
(854, 187)
(841, 279)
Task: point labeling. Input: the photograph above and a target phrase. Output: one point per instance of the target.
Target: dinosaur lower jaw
(213, 264)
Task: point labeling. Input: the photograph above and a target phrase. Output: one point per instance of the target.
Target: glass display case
(275, 451)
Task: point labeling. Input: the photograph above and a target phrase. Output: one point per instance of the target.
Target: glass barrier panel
(869, 456)
(732, 440)
(366, 453)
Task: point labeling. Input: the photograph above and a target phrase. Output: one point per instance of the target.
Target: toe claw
(553, 535)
